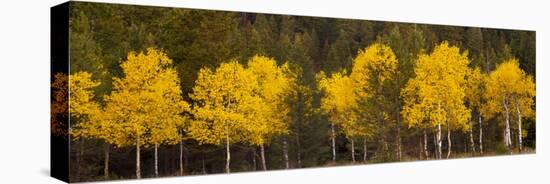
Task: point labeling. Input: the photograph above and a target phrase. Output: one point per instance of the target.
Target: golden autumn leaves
(237, 103)
(145, 107)
(434, 98)
(509, 91)
(352, 102)
(445, 92)
(248, 103)
(442, 93)
(233, 103)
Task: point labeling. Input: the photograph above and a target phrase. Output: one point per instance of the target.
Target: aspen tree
(270, 112)
(222, 105)
(146, 106)
(436, 94)
(509, 89)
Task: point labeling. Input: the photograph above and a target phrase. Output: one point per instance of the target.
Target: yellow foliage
(436, 94)
(244, 104)
(340, 103)
(81, 101)
(222, 103)
(270, 111)
(373, 71)
(475, 88)
(146, 103)
(372, 67)
(509, 86)
(83, 109)
(339, 93)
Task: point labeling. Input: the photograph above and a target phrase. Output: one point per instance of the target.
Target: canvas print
(147, 92)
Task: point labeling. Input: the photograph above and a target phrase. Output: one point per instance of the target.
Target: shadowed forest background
(325, 110)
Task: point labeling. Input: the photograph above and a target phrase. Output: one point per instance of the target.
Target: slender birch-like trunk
(138, 165)
(352, 151)
(254, 159)
(448, 141)
(436, 153)
(438, 138)
(397, 118)
(262, 152)
(520, 142)
(399, 152)
(203, 166)
(512, 135)
(227, 151)
(382, 132)
(508, 140)
(439, 153)
(365, 149)
(156, 160)
(106, 161)
(333, 137)
(426, 153)
(420, 149)
(505, 139)
(285, 153)
(480, 134)
(384, 140)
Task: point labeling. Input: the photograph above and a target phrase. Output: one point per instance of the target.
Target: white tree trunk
(438, 139)
(399, 152)
(285, 153)
(262, 152)
(203, 166)
(507, 136)
(480, 134)
(227, 153)
(448, 141)
(156, 160)
(436, 153)
(254, 159)
(138, 165)
(426, 153)
(520, 145)
(397, 118)
(106, 162)
(365, 149)
(420, 149)
(352, 151)
(333, 137)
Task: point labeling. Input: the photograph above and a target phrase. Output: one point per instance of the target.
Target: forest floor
(452, 156)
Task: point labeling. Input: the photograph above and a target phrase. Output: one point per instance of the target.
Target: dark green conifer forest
(314, 49)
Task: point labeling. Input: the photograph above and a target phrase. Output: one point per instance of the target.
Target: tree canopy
(249, 91)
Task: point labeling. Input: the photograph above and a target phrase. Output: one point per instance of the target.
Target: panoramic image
(160, 92)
